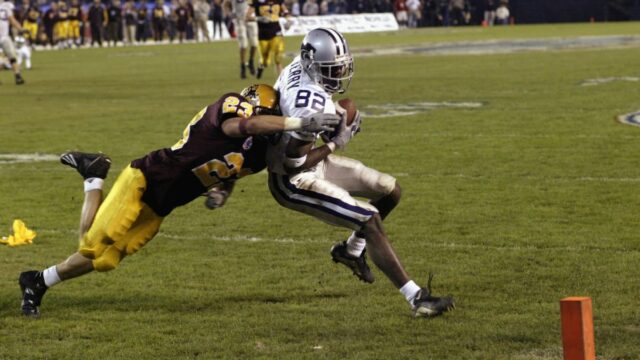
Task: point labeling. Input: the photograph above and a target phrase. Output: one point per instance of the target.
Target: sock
(93, 184)
(410, 290)
(51, 276)
(355, 245)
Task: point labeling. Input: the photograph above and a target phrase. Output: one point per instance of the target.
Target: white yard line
(328, 241)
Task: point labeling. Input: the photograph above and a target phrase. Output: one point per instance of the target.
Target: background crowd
(69, 23)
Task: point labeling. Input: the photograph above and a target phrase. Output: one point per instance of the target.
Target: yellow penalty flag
(21, 235)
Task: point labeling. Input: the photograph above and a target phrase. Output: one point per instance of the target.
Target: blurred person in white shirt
(502, 14)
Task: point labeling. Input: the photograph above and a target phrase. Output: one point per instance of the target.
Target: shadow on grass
(60, 302)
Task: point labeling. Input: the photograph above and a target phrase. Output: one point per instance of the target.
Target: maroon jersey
(203, 158)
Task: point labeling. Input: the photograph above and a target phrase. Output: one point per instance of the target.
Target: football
(348, 106)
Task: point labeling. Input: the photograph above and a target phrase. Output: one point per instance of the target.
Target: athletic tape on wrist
(292, 123)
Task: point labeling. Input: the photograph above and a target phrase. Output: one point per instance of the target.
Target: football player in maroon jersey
(218, 147)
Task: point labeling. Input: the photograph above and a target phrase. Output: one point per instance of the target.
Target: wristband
(292, 123)
(294, 163)
(331, 146)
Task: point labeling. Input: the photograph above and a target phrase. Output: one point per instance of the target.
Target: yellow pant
(123, 224)
(74, 29)
(274, 46)
(32, 29)
(62, 30)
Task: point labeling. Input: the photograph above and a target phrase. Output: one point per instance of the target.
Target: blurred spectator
(340, 6)
(217, 16)
(295, 8)
(201, 9)
(61, 29)
(400, 9)
(97, 21)
(362, 7)
(310, 8)
(49, 22)
(324, 7)
(432, 13)
(489, 12)
(142, 28)
(114, 20)
(76, 18)
(183, 19)
(158, 21)
(130, 22)
(382, 6)
(502, 13)
(170, 10)
(31, 19)
(457, 13)
(415, 12)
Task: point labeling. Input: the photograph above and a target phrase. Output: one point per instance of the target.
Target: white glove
(320, 122)
(345, 133)
(216, 199)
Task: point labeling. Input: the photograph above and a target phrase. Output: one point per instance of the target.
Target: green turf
(513, 205)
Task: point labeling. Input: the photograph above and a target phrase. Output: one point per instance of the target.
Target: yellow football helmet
(264, 99)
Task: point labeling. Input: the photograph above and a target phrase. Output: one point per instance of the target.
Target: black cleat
(33, 289)
(358, 265)
(19, 79)
(252, 69)
(88, 165)
(243, 71)
(259, 73)
(425, 305)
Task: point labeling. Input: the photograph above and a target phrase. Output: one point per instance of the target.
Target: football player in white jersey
(246, 27)
(312, 180)
(23, 52)
(6, 21)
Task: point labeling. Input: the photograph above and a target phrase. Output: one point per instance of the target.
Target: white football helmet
(325, 56)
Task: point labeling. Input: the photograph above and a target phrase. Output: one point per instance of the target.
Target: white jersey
(6, 11)
(239, 8)
(300, 96)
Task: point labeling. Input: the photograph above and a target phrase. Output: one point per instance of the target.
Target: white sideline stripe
(436, 244)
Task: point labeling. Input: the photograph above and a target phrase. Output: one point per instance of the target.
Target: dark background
(550, 11)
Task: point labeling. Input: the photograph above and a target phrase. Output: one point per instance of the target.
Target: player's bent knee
(374, 224)
(109, 260)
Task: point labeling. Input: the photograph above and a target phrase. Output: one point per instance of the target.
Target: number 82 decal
(306, 98)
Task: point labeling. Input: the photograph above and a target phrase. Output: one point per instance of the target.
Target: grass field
(514, 205)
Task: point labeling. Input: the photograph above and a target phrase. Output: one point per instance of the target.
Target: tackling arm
(217, 196)
(270, 124)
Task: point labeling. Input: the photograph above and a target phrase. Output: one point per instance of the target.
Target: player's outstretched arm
(269, 124)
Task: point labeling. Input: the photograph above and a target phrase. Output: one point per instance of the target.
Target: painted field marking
(396, 110)
(26, 158)
(436, 243)
(577, 328)
(599, 81)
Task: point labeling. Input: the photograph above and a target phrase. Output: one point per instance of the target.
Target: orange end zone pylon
(577, 328)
